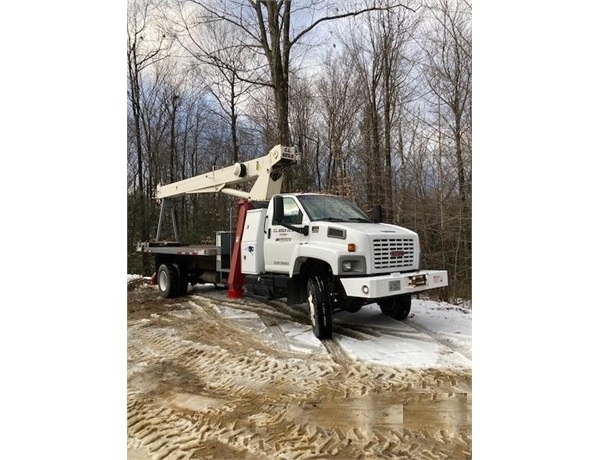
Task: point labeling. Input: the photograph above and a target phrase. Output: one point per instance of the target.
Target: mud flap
(296, 291)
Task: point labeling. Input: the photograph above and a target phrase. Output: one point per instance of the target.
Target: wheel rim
(312, 307)
(162, 280)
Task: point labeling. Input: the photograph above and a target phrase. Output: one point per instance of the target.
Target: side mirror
(277, 216)
(377, 214)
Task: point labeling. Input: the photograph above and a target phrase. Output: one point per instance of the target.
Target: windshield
(332, 209)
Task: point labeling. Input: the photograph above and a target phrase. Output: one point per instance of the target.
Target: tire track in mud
(240, 385)
(336, 352)
(269, 318)
(277, 332)
(359, 332)
(363, 372)
(269, 307)
(201, 385)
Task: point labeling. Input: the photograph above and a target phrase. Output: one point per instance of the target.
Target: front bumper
(374, 287)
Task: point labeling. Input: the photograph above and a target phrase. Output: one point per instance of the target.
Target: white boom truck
(305, 247)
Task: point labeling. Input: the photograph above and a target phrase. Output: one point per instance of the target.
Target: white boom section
(266, 171)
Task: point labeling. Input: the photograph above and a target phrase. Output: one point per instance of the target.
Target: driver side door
(280, 241)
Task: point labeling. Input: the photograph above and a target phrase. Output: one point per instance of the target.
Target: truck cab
(325, 250)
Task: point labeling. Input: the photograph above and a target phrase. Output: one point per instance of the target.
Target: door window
(291, 212)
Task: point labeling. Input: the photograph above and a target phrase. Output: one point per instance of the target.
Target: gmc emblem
(396, 253)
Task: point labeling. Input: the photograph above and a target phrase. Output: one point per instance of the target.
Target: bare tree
(213, 47)
(303, 129)
(339, 106)
(144, 49)
(379, 48)
(267, 26)
(447, 72)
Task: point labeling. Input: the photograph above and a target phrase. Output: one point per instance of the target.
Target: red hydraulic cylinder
(236, 278)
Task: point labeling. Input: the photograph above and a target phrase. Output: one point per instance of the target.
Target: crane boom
(266, 171)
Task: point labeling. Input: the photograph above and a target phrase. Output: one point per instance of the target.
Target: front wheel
(321, 311)
(397, 307)
(168, 280)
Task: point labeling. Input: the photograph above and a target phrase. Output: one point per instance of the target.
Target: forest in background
(375, 94)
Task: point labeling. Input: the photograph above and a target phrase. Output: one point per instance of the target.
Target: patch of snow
(425, 340)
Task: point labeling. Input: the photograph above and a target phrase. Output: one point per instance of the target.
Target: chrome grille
(393, 252)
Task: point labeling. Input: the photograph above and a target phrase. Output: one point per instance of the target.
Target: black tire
(397, 307)
(353, 306)
(168, 280)
(321, 311)
(183, 282)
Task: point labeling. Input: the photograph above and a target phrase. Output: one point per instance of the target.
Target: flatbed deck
(178, 248)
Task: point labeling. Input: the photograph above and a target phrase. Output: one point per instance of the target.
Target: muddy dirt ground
(204, 383)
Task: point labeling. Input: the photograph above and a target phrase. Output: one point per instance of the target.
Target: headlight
(353, 265)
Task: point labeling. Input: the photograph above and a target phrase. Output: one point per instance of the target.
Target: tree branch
(222, 17)
(345, 15)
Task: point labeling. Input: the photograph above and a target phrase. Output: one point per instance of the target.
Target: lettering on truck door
(279, 241)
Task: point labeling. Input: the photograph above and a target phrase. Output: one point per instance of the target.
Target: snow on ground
(435, 334)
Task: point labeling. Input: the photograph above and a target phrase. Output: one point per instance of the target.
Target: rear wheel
(168, 280)
(183, 283)
(397, 307)
(321, 311)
